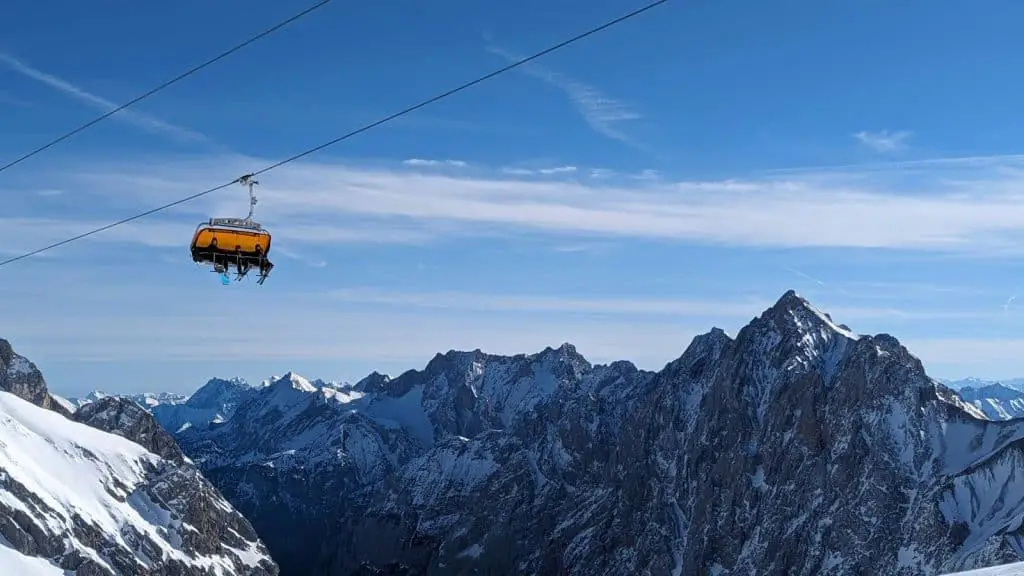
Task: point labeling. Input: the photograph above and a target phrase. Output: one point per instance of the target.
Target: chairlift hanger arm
(250, 181)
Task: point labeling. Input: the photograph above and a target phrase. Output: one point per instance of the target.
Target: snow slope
(81, 496)
(1014, 569)
(14, 562)
(997, 401)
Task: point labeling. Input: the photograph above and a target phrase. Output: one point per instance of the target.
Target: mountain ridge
(546, 463)
(997, 401)
(795, 447)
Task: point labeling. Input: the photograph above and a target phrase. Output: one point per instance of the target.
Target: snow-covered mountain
(796, 447)
(212, 404)
(147, 399)
(997, 401)
(106, 492)
(1012, 383)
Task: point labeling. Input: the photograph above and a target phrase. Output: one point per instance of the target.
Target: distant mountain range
(998, 399)
(796, 447)
(1012, 383)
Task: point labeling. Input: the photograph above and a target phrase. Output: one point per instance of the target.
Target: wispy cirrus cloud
(977, 213)
(515, 171)
(303, 325)
(943, 163)
(145, 121)
(603, 113)
(426, 162)
(560, 304)
(318, 209)
(583, 248)
(594, 173)
(884, 141)
(736, 308)
(8, 99)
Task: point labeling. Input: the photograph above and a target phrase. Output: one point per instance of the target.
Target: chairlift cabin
(241, 243)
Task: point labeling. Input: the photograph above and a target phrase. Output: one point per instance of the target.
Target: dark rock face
(20, 377)
(795, 448)
(127, 419)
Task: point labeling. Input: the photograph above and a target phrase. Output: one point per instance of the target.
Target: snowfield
(60, 479)
(14, 562)
(1015, 569)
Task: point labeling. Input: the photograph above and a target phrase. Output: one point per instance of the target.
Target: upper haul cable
(174, 80)
(360, 130)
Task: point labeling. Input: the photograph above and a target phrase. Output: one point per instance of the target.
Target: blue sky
(676, 172)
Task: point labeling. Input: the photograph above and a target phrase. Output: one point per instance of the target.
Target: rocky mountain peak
(564, 350)
(373, 383)
(790, 300)
(126, 418)
(711, 344)
(215, 390)
(794, 316)
(455, 361)
(291, 380)
(21, 377)
(567, 355)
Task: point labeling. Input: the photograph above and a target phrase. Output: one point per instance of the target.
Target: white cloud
(584, 247)
(423, 162)
(7, 99)
(876, 290)
(20, 235)
(515, 171)
(807, 277)
(116, 318)
(979, 212)
(603, 113)
(743, 309)
(557, 170)
(884, 141)
(23, 234)
(144, 121)
(518, 171)
(961, 357)
(559, 304)
(381, 338)
(312, 262)
(959, 207)
(936, 163)
(156, 313)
